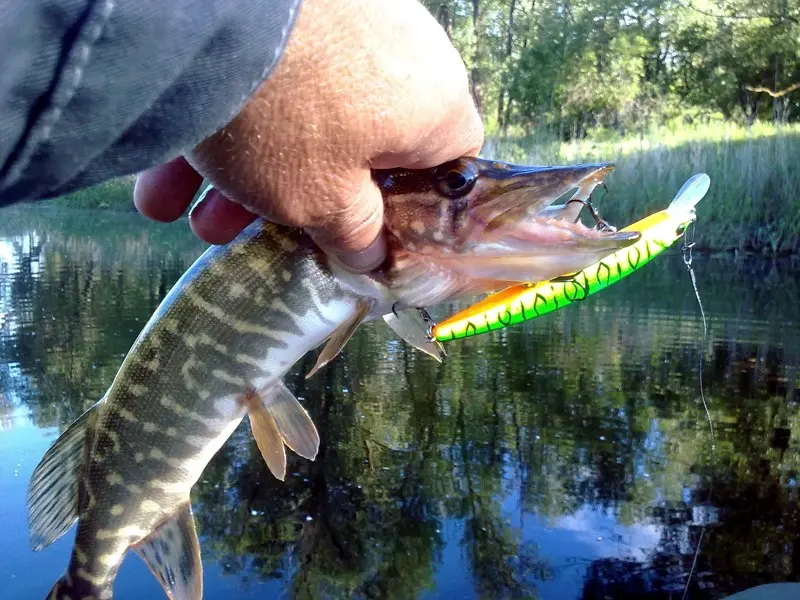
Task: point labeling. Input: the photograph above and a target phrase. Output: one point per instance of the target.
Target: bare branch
(791, 17)
(783, 92)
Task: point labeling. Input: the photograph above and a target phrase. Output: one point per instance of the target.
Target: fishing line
(688, 245)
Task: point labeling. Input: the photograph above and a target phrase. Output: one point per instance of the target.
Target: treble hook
(600, 223)
(428, 320)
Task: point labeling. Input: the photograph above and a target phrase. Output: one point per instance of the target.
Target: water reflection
(569, 458)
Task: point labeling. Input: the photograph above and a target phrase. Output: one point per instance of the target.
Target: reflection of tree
(594, 406)
(75, 305)
(6, 410)
(500, 566)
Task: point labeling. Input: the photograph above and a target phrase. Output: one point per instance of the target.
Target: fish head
(473, 225)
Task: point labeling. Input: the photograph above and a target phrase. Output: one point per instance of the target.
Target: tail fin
(54, 489)
(77, 588)
(59, 590)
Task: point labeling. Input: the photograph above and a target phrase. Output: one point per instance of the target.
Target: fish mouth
(512, 231)
(507, 197)
(493, 223)
(535, 250)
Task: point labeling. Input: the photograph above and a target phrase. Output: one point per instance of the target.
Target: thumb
(353, 234)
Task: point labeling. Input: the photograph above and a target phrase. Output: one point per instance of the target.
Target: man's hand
(362, 84)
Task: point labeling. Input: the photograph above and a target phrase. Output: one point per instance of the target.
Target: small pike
(218, 346)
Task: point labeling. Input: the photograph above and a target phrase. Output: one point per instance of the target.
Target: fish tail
(77, 588)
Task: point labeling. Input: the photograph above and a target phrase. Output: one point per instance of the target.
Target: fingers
(217, 220)
(164, 192)
(459, 132)
(462, 139)
(353, 233)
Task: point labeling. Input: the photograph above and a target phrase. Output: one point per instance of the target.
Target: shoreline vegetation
(115, 195)
(752, 206)
(664, 89)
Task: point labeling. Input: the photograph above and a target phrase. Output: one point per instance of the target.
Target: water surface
(569, 458)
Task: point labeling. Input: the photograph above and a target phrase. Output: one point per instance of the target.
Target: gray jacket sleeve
(94, 89)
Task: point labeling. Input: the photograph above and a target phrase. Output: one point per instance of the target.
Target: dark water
(567, 459)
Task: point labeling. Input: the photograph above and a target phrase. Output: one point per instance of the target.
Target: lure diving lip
(527, 301)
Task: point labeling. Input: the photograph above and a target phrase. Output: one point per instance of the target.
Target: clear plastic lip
(690, 194)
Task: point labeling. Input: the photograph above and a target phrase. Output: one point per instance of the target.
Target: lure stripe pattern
(525, 302)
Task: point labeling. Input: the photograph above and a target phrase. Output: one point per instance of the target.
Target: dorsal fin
(53, 492)
(172, 553)
(342, 335)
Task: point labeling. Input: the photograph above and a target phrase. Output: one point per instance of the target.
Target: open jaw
(473, 226)
(535, 249)
(495, 221)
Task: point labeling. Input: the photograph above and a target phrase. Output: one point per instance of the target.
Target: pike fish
(218, 346)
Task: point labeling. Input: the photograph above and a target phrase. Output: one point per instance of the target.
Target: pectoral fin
(54, 489)
(277, 418)
(413, 329)
(172, 553)
(342, 335)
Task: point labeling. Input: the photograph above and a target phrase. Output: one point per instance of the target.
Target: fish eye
(457, 181)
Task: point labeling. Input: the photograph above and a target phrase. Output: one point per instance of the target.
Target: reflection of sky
(30, 575)
(9, 264)
(21, 447)
(571, 542)
(568, 544)
(7, 255)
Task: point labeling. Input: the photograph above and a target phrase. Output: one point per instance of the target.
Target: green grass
(116, 194)
(753, 205)
(754, 201)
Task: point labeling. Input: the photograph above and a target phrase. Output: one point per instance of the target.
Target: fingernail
(368, 259)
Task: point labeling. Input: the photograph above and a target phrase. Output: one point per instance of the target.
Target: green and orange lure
(527, 301)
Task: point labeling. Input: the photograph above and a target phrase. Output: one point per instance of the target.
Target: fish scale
(217, 347)
(196, 394)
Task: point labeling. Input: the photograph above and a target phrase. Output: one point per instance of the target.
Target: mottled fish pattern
(219, 344)
(227, 334)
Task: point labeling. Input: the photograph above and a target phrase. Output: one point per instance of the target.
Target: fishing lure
(527, 301)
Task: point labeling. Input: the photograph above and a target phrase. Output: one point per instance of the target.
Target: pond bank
(752, 207)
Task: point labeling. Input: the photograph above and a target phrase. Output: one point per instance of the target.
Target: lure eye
(680, 230)
(457, 181)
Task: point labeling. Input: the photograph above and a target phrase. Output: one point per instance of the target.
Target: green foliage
(573, 65)
(116, 194)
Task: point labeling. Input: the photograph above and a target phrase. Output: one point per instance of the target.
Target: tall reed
(753, 205)
(754, 201)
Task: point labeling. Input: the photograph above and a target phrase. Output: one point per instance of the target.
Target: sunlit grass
(755, 172)
(116, 194)
(753, 204)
